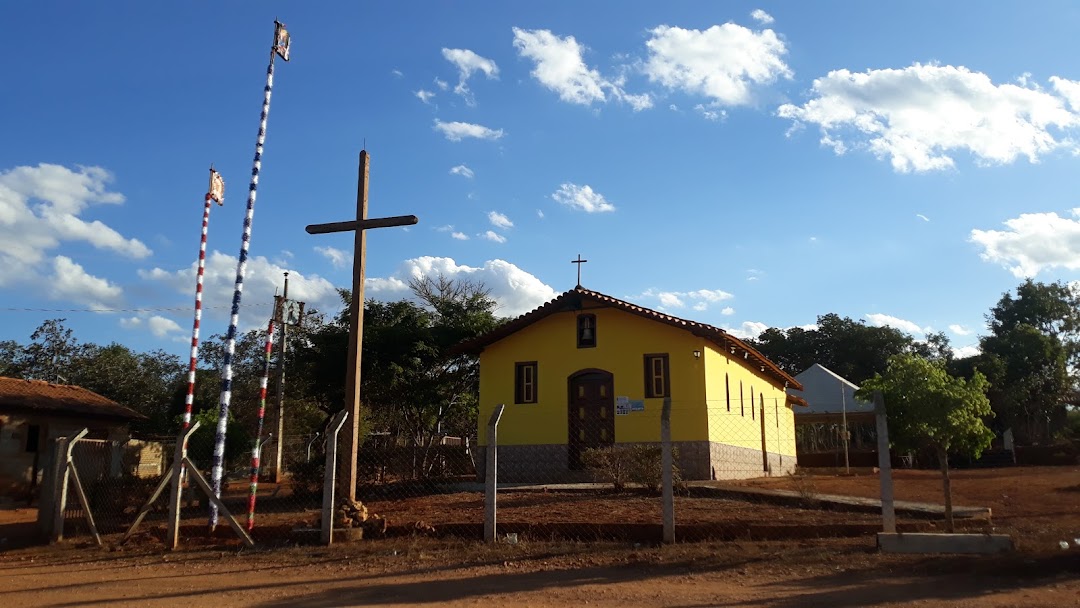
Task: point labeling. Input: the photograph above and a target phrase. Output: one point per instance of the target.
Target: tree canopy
(850, 348)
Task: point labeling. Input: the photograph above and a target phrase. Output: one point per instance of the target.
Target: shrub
(611, 464)
(639, 464)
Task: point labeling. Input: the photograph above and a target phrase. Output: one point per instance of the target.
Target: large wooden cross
(346, 478)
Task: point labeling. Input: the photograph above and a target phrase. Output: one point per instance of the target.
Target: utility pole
(281, 387)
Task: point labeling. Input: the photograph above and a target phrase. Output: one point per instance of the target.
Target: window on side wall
(586, 331)
(33, 437)
(525, 382)
(657, 376)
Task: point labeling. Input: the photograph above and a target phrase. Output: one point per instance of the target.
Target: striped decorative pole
(280, 47)
(216, 192)
(257, 448)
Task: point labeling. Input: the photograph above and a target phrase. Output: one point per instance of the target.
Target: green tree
(50, 354)
(929, 409)
(1034, 340)
(144, 382)
(11, 352)
(850, 348)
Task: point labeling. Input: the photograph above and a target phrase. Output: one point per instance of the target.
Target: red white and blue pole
(280, 47)
(256, 449)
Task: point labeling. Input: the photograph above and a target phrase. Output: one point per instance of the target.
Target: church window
(657, 378)
(586, 331)
(525, 382)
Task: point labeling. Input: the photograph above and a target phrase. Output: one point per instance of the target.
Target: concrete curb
(944, 543)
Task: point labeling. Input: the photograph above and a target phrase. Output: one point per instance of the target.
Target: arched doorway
(590, 413)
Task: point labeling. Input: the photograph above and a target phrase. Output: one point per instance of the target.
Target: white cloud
(424, 96)
(499, 220)
(747, 330)
(441, 84)
(1069, 89)
(960, 330)
(40, 209)
(710, 114)
(922, 217)
(670, 300)
(445, 228)
(723, 62)
(710, 295)
(397, 73)
(130, 322)
(728, 311)
(493, 236)
(883, 320)
(262, 280)
(920, 115)
(701, 298)
(468, 63)
(71, 282)
(582, 198)
(1032, 243)
(463, 171)
(161, 326)
(461, 236)
(515, 290)
(761, 16)
(964, 352)
(560, 67)
(457, 131)
(540, 213)
(338, 258)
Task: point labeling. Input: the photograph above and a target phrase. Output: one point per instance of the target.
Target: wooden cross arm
(379, 222)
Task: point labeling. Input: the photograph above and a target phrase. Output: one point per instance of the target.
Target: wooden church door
(591, 414)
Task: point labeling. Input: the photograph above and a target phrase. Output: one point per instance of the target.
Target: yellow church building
(587, 370)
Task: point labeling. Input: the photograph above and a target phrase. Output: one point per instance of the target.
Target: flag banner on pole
(217, 187)
(281, 46)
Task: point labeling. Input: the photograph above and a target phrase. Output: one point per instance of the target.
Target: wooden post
(491, 472)
(667, 492)
(356, 335)
(888, 512)
(172, 536)
(329, 476)
(278, 478)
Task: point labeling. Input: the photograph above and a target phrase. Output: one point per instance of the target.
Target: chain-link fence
(736, 474)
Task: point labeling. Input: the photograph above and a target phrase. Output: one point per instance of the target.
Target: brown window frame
(580, 342)
(650, 377)
(520, 385)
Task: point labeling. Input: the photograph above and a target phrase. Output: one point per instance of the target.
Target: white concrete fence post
(667, 493)
(491, 471)
(330, 476)
(888, 511)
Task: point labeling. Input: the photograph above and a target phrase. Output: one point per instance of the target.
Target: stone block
(944, 543)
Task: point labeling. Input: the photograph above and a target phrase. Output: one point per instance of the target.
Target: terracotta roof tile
(63, 399)
(572, 299)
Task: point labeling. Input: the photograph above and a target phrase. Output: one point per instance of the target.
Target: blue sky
(742, 164)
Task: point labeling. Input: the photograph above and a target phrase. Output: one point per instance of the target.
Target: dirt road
(424, 572)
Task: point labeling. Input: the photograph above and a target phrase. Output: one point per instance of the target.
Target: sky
(747, 165)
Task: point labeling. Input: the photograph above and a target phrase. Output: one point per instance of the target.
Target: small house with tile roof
(587, 370)
(34, 412)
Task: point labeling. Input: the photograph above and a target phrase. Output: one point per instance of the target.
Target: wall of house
(735, 394)
(622, 341)
(17, 464)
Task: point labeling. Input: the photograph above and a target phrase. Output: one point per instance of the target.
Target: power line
(172, 309)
